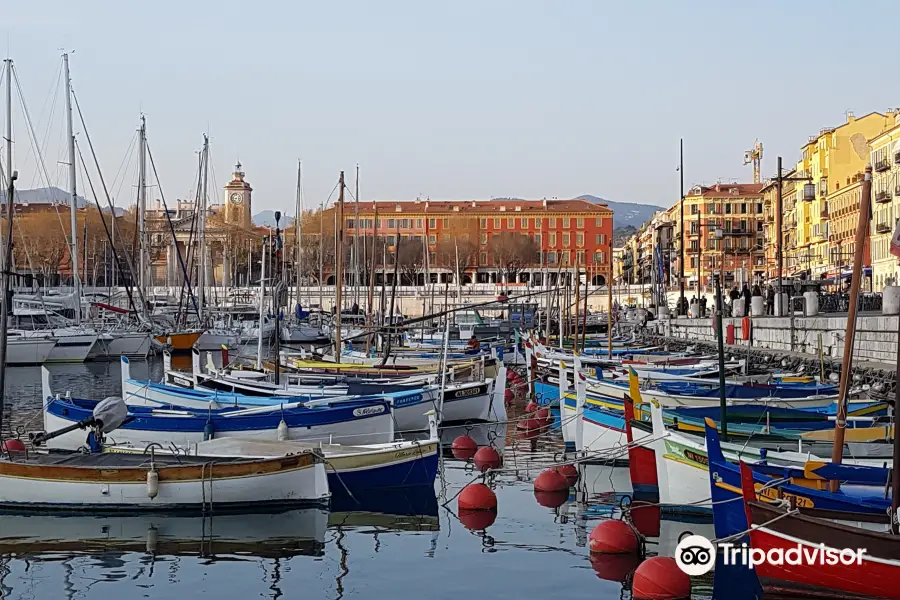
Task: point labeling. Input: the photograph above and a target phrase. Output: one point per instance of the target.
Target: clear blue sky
(458, 100)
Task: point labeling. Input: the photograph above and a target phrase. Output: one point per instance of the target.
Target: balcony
(882, 228)
(882, 196)
(897, 190)
(823, 213)
(882, 164)
(737, 232)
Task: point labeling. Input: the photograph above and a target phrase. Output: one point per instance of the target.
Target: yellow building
(885, 161)
(789, 193)
(830, 159)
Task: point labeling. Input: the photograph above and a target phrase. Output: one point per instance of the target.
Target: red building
(563, 233)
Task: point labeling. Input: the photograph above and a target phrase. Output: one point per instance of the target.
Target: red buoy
(532, 407)
(477, 496)
(487, 458)
(614, 567)
(570, 472)
(552, 499)
(508, 397)
(543, 414)
(659, 578)
(550, 480)
(476, 520)
(464, 447)
(614, 537)
(12, 446)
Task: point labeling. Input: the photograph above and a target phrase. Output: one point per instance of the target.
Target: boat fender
(209, 431)
(152, 484)
(282, 431)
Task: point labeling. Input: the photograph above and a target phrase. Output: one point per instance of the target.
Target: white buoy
(695, 310)
(737, 308)
(282, 431)
(152, 539)
(152, 484)
(890, 304)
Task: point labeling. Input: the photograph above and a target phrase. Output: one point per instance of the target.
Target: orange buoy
(463, 447)
(660, 578)
(550, 480)
(570, 472)
(614, 567)
(477, 520)
(477, 496)
(487, 458)
(12, 446)
(551, 499)
(614, 537)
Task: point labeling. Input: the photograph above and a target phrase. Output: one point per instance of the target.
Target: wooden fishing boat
(777, 528)
(180, 341)
(110, 482)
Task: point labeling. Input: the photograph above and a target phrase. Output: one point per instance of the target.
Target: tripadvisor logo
(696, 555)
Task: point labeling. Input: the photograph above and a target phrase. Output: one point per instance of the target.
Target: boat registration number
(368, 410)
(772, 494)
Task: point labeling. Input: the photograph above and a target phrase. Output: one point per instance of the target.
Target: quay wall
(876, 335)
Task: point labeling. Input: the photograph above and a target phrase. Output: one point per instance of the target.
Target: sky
(470, 99)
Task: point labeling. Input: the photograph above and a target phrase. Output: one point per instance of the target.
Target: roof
(511, 207)
(728, 190)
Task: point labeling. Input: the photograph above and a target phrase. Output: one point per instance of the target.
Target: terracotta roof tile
(489, 206)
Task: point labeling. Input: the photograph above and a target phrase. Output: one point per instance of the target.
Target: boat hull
(180, 342)
(287, 481)
(113, 345)
(33, 351)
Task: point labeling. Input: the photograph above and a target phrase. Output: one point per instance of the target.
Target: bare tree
(512, 252)
(411, 258)
(457, 254)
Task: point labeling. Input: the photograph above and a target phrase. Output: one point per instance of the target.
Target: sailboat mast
(70, 141)
(339, 273)
(356, 240)
(204, 275)
(142, 206)
(262, 305)
(9, 65)
(298, 269)
(371, 298)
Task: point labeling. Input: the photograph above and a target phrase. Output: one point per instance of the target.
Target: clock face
(237, 198)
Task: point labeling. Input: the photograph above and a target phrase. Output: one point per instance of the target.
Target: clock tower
(238, 194)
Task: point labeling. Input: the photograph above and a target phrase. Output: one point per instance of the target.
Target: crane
(754, 157)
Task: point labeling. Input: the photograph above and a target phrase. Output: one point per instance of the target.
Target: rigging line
(109, 237)
(129, 152)
(129, 262)
(162, 197)
(29, 127)
(189, 247)
(52, 107)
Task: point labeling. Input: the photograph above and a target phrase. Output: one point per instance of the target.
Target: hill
(266, 218)
(626, 213)
(50, 195)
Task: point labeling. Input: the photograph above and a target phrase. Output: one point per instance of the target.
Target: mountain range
(50, 195)
(266, 218)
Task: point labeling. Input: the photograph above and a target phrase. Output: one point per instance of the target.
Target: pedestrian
(746, 294)
(770, 301)
(703, 307)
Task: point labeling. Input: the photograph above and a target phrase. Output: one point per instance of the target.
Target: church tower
(238, 194)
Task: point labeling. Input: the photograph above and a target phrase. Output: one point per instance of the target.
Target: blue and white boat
(333, 422)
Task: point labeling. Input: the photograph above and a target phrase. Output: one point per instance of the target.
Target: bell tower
(238, 195)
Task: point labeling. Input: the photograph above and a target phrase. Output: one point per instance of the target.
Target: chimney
(544, 202)
(473, 204)
(850, 116)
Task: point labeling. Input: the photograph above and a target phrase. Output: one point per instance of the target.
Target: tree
(512, 252)
(411, 258)
(457, 248)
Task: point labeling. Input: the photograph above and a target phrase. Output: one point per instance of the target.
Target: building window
(599, 221)
(484, 223)
(580, 222)
(579, 257)
(579, 239)
(432, 258)
(537, 223)
(693, 262)
(432, 223)
(552, 222)
(524, 222)
(598, 258)
(537, 239)
(483, 258)
(496, 223)
(392, 223)
(446, 222)
(565, 239)
(432, 239)
(483, 239)
(552, 239)
(551, 258)
(511, 223)
(419, 223)
(566, 222)
(597, 237)
(565, 257)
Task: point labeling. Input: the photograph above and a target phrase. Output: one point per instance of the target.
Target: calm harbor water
(405, 543)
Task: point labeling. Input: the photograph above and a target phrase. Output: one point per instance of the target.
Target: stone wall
(876, 336)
